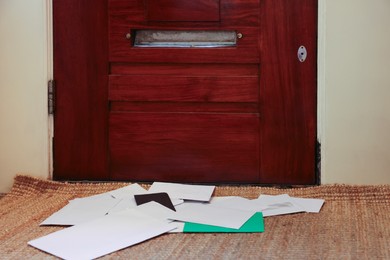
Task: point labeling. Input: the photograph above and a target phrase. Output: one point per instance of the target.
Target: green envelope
(254, 225)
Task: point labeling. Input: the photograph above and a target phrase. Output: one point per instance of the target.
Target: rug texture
(354, 223)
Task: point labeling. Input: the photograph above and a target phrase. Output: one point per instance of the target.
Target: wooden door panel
(288, 91)
(184, 147)
(245, 113)
(81, 75)
(240, 13)
(193, 107)
(192, 70)
(183, 88)
(193, 11)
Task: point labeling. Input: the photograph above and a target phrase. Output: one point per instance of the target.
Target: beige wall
(356, 123)
(23, 73)
(354, 90)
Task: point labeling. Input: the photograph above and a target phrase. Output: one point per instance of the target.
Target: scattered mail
(115, 217)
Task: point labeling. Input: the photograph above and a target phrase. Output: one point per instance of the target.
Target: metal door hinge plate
(51, 96)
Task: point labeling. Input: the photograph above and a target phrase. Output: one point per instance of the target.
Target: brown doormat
(354, 223)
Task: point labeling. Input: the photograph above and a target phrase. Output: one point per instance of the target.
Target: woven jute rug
(354, 223)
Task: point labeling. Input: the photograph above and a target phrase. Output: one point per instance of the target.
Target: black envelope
(161, 197)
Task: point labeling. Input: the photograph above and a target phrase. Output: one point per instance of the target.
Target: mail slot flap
(182, 10)
(245, 50)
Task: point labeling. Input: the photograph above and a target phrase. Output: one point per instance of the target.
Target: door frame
(48, 11)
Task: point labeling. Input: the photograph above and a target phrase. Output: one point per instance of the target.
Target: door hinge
(51, 91)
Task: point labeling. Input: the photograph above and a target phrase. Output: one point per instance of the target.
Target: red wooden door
(244, 113)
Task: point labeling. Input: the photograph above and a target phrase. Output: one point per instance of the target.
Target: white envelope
(284, 204)
(274, 205)
(127, 200)
(211, 215)
(128, 191)
(158, 211)
(237, 203)
(123, 204)
(81, 210)
(102, 236)
(309, 205)
(184, 191)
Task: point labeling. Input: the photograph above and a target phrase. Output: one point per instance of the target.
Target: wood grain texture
(190, 11)
(183, 88)
(234, 97)
(174, 69)
(194, 107)
(81, 73)
(241, 16)
(232, 114)
(188, 147)
(239, 13)
(288, 91)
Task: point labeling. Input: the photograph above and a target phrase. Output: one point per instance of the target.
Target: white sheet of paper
(127, 202)
(309, 205)
(305, 204)
(81, 210)
(128, 191)
(156, 210)
(239, 203)
(102, 236)
(176, 202)
(123, 204)
(189, 203)
(160, 212)
(274, 205)
(93, 197)
(184, 191)
(210, 215)
(221, 198)
(179, 227)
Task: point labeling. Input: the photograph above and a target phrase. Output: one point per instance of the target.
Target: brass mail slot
(184, 39)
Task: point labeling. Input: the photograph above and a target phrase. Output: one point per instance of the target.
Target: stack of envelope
(107, 222)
